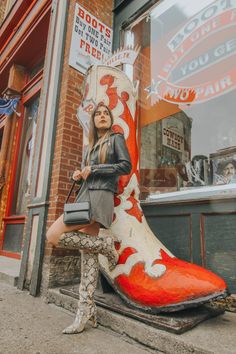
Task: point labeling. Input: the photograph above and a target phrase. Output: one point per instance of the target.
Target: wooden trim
(18, 25)
(222, 199)
(41, 12)
(202, 240)
(191, 237)
(38, 205)
(219, 213)
(36, 89)
(10, 254)
(15, 219)
(12, 17)
(14, 163)
(141, 11)
(32, 82)
(35, 86)
(32, 88)
(3, 122)
(32, 93)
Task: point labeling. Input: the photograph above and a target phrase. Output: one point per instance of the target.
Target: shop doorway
(19, 190)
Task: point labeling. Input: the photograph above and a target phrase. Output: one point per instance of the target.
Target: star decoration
(153, 88)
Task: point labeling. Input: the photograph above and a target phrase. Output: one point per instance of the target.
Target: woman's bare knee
(51, 237)
(54, 231)
(58, 227)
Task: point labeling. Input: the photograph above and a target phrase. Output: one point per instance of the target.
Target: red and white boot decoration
(147, 276)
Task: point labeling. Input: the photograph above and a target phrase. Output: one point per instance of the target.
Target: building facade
(23, 35)
(41, 149)
(186, 73)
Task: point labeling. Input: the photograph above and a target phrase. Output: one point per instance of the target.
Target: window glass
(24, 169)
(187, 73)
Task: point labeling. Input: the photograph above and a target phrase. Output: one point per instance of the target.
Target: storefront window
(24, 168)
(187, 73)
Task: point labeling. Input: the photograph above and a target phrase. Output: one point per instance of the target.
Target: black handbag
(76, 213)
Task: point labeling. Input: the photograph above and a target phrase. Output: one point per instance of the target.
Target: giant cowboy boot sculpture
(147, 276)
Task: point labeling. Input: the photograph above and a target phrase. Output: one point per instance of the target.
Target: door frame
(29, 91)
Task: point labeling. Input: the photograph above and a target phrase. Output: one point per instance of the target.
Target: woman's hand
(77, 175)
(86, 172)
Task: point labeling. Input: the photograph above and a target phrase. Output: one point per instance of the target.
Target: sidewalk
(30, 326)
(213, 336)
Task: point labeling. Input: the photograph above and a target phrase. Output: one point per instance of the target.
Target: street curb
(151, 337)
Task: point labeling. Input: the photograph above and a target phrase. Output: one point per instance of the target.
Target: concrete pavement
(213, 336)
(30, 326)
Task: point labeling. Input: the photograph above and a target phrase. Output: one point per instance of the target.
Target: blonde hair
(93, 136)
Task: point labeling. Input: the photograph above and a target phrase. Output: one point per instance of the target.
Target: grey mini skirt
(102, 204)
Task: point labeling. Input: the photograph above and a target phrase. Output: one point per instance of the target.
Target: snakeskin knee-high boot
(98, 244)
(86, 306)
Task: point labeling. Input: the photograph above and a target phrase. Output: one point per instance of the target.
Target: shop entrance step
(9, 270)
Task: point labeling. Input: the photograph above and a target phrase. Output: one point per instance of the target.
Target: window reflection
(24, 170)
(187, 73)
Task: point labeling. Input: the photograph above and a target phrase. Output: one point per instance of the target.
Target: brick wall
(68, 146)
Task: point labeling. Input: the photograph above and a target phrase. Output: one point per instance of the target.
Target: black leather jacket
(105, 176)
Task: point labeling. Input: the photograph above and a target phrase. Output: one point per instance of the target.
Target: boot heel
(93, 318)
(94, 321)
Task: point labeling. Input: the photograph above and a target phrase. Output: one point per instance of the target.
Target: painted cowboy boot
(86, 307)
(96, 244)
(148, 276)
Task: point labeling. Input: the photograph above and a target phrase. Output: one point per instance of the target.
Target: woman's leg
(86, 240)
(59, 227)
(88, 282)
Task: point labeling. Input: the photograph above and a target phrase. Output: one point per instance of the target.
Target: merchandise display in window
(187, 85)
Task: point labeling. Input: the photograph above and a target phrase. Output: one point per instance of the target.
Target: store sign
(123, 56)
(184, 61)
(91, 41)
(173, 134)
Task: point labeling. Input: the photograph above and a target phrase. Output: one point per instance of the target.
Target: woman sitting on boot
(106, 159)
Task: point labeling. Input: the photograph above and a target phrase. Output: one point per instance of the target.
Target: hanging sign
(123, 56)
(173, 134)
(91, 41)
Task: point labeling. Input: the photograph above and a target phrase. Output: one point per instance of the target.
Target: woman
(105, 160)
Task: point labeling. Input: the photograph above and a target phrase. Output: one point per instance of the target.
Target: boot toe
(183, 284)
